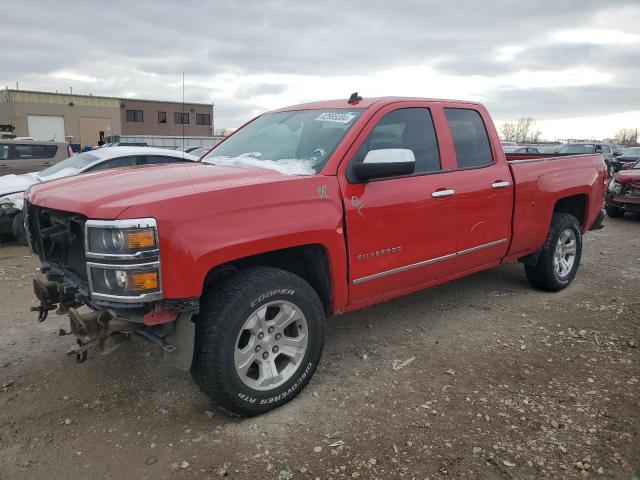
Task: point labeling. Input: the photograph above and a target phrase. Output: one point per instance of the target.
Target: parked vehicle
(623, 193)
(631, 154)
(12, 187)
(232, 264)
(197, 151)
(22, 156)
(548, 148)
(520, 149)
(585, 148)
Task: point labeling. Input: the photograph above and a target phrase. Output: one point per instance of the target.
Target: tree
(522, 131)
(627, 136)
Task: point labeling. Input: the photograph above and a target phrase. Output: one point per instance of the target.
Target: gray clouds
(141, 48)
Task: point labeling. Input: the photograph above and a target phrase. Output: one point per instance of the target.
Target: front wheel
(18, 228)
(259, 338)
(560, 255)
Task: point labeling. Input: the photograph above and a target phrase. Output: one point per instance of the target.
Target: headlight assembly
(614, 187)
(121, 238)
(124, 260)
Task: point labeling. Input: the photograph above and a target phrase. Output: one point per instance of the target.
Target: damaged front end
(106, 276)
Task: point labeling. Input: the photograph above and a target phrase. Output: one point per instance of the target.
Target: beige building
(151, 117)
(88, 119)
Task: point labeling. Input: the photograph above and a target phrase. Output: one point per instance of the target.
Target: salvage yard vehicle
(12, 187)
(232, 265)
(629, 155)
(23, 156)
(623, 192)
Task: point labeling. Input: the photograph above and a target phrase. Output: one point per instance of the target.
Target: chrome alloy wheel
(271, 345)
(564, 255)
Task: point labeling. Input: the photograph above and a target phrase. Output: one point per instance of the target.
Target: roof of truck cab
(366, 103)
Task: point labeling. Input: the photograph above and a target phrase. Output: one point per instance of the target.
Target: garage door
(46, 127)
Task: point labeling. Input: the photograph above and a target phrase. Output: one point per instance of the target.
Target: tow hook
(47, 293)
(43, 310)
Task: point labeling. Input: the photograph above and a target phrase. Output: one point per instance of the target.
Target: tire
(547, 274)
(614, 212)
(229, 325)
(18, 228)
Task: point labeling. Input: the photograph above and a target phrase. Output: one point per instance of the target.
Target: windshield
(632, 152)
(577, 148)
(294, 143)
(76, 162)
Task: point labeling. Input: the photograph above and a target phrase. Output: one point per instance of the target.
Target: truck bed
(539, 182)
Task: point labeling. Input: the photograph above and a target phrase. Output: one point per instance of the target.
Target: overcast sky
(572, 65)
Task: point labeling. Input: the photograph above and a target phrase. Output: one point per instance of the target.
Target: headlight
(128, 269)
(614, 187)
(121, 238)
(125, 282)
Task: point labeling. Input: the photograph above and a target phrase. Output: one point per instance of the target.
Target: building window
(203, 119)
(162, 117)
(181, 118)
(134, 116)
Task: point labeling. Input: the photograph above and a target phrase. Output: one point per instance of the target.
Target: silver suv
(24, 156)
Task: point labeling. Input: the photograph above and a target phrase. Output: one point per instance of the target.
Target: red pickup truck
(232, 265)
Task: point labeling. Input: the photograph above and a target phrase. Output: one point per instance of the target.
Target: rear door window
(4, 152)
(158, 159)
(115, 163)
(470, 138)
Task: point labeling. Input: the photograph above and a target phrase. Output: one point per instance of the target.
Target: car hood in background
(627, 176)
(17, 183)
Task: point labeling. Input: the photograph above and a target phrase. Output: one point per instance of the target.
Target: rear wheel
(560, 256)
(259, 337)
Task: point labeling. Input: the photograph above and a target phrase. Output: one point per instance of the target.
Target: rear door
(484, 198)
(29, 158)
(400, 235)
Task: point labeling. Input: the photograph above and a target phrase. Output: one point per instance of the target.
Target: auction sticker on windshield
(336, 117)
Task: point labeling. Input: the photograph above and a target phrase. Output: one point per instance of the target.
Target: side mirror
(617, 154)
(386, 163)
(628, 165)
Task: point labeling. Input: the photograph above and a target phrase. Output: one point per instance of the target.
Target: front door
(401, 231)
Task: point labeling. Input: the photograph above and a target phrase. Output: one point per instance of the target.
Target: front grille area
(58, 239)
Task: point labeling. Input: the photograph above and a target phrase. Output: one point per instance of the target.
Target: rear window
(470, 138)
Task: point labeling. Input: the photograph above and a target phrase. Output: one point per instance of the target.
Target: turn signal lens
(139, 239)
(140, 281)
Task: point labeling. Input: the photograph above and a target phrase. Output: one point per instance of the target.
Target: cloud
(258, 54)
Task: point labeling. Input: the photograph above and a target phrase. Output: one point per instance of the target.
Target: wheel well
(575, 205)
(309, 262)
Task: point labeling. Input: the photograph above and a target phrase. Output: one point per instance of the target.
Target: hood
(16, 183)
(627, 158)
(627, 176)
(104, 195)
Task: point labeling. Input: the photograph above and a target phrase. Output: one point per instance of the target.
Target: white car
(12, 187)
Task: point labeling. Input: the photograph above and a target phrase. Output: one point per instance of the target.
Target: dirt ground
(492, 380)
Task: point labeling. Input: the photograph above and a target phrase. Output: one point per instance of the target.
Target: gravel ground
(480, 378)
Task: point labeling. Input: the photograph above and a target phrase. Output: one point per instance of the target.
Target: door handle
(500, 184)
(443, 193)
(4, 166)
(46, 163)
